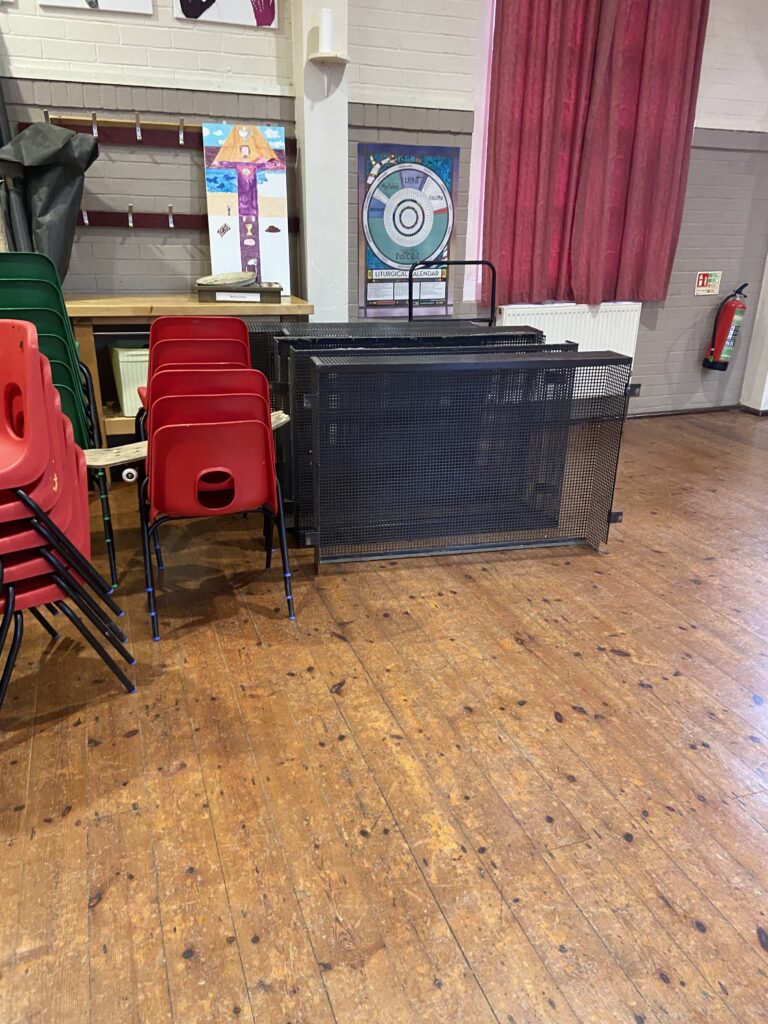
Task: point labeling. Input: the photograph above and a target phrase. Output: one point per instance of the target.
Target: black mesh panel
(416, 454)
(299, 384)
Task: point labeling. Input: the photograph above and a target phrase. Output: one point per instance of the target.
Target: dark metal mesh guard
(271, 342)
(421, 454)
(299, 487)
(327, 336)
(266, 356)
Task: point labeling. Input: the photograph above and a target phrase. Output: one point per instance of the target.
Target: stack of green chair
(30, 290)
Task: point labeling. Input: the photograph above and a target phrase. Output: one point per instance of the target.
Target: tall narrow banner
(247, 196)
(407, 201)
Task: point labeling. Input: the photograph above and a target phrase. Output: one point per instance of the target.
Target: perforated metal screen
(271, 344)
(425, 453)
(299, 360)
(267, 356)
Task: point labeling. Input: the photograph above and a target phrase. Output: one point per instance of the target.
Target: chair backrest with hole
(211, 469)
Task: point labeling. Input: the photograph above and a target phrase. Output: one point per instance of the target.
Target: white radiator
(612, 325)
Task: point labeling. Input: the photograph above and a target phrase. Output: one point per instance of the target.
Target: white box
(131, 368)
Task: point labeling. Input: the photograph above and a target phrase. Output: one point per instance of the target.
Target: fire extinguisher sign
(708, 282)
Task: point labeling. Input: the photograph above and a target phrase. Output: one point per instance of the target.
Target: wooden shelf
(115, 423)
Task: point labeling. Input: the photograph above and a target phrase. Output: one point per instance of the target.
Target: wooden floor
(516, 788)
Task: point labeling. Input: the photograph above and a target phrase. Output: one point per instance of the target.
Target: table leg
(87, 343)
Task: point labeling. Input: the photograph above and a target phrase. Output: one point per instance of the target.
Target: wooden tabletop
(127, 307)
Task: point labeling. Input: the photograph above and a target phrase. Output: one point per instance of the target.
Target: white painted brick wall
(422, 57)
(401, 55)
(419, 55)
(158, 50)
(733, 91)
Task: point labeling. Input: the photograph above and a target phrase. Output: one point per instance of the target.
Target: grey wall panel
(725, 227)
(117, 259)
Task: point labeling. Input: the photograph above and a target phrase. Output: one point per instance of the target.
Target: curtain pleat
(590, 124)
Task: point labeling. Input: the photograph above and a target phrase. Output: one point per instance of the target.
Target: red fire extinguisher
(725, 330)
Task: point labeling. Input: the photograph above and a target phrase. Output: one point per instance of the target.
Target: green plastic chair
(29, 282)
(34, 265)
(47, 321)
(64, 378)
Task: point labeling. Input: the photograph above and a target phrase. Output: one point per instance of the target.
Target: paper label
(708, 282)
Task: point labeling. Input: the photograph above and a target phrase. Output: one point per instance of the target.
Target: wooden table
(88, 311)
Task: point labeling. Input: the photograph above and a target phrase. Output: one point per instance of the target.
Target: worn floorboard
(500, 788)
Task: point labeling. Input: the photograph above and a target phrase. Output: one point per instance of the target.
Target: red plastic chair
(44, 517)
(172, 410)
(235, 456)
(179, 367)
(177, 350)
(197, 380)
(207, 380)
(209, 464)
(23, 425)
(195, 327)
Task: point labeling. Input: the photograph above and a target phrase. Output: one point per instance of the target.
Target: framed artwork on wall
(407, 201)
(113, 6)
(245, 183)
(258, 13)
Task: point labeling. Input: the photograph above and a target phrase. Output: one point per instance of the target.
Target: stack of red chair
(210, 448)
(44, 519)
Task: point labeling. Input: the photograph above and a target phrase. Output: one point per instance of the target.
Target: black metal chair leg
(284, 555)
(269, 525)
(10, 662)
(91, 639)
(149, 579)
(52, 609)
(95, 620)
(45, 623)
(158, 550)
(41, 522)
(83, 595)
(10, 607)
(75, 567)
(106, 518)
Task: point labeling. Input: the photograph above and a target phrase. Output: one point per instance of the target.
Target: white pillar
(322, 131)
(754, 392)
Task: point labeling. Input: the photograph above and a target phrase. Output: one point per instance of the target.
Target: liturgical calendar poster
(247, 200)
(407, 197)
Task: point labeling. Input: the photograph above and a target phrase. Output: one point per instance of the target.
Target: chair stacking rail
(418, 454)
(369, 336)
(300, 384)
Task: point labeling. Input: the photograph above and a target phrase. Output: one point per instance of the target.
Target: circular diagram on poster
(407, 215)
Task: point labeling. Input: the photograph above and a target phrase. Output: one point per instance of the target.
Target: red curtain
(590, 126)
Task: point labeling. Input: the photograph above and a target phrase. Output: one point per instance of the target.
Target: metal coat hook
(47, 116)
(181, 131)
(130, 215)
(170, 217)
(138, 127)
(94, 125)
(85, 216)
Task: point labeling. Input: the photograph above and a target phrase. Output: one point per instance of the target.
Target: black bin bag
(51, 162)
